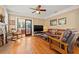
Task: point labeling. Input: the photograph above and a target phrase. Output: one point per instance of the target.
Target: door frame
(25, 27)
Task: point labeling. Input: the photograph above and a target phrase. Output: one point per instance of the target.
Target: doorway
(28, 27)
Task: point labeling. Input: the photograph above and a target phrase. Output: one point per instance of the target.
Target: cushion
(71, 40)
(66, 34)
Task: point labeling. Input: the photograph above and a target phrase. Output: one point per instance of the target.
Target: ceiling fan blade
(42, 9)
(33, 11)
(33, 8)
(38, 7)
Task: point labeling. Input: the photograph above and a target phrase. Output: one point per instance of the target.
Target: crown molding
(63, 11)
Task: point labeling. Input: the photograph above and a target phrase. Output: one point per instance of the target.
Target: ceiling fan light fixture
(37, 12)
(38, 9)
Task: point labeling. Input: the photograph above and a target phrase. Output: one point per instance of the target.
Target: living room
(28, 30)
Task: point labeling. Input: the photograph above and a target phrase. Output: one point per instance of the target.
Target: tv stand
(38, 32)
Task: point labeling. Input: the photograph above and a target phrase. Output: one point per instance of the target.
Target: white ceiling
(24, 10)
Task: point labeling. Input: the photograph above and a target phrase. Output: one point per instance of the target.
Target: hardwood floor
(27, 45)
(76, 50)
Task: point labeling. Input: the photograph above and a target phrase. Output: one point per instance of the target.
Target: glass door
(28, 27)
(21, 25)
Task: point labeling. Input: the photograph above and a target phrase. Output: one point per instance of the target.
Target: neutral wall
(72, 20)
(35, 21)
(1, 10)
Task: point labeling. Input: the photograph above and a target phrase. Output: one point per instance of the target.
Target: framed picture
(62, 21)
(53, 22)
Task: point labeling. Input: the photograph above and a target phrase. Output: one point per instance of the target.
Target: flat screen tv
(38, 28)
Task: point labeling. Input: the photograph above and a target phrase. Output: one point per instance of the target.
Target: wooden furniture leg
(62, 47)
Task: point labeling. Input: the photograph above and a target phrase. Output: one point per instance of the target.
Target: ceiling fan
(38, 9)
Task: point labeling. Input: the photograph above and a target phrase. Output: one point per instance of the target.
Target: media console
(41, 34)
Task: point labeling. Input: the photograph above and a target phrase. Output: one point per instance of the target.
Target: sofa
(65, 44)
(56, 33)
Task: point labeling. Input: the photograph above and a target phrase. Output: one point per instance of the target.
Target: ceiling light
(37, 12)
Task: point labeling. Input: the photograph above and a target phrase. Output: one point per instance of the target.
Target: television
(38, 28)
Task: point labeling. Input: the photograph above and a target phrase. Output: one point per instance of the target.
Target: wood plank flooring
(27, 45)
